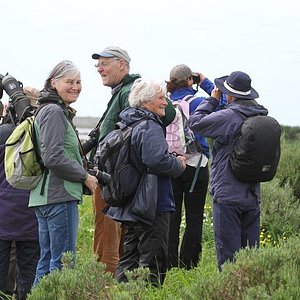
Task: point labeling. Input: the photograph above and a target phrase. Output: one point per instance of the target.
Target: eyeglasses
(105, 64)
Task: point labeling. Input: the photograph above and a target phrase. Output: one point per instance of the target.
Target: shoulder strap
(133, 124)
(39, 158)
(188, 98)
(183, 107)
(84, 158)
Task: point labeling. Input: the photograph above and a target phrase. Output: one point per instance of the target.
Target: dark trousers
(145, 246)
(12, 271)
(188, 254)
(27, 256)
(235, 227)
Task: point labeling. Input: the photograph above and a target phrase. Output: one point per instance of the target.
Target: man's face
(111, 70)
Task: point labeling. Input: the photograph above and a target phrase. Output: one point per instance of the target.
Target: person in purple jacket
(18, 226)
(236, 204)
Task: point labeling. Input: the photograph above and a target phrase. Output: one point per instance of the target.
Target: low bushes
(271, 272)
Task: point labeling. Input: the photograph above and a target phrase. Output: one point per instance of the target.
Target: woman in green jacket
(57, 195)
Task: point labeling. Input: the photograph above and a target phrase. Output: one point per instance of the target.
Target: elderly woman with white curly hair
(146, 217)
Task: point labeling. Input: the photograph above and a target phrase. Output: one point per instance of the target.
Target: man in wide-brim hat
(236, 204)
(237, 84)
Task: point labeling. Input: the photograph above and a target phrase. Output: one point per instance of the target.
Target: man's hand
(216, 93)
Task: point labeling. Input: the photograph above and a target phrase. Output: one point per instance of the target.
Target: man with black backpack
(236, 197)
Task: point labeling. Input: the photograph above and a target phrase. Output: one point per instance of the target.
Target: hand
(216, 93)
(91, 182)
(182, 160)
(202, 77)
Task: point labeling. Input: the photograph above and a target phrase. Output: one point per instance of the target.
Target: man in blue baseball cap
(113, 65)
(113, 51)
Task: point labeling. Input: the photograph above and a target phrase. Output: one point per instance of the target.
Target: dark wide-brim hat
(237, 84)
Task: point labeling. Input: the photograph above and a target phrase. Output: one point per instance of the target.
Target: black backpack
(113, 157)
(256, 153)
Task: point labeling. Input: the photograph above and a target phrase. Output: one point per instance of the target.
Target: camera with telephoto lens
(102, 177)
(196, 79)
(19, 107)
(1, 86)
(91, 143)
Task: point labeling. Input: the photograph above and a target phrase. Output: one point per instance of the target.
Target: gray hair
(64, 68)
(144, 91)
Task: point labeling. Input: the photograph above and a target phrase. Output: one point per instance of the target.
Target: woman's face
(68, 88)
(157, 105)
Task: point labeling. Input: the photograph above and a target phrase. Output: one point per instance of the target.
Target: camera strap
(84, 158)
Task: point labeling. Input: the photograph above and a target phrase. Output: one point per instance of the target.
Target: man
(113, 66)
(236, 204)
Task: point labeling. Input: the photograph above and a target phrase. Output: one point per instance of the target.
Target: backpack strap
(38, 155)
(244, 117)
(196, 174)
(188, 98)
(134, 124)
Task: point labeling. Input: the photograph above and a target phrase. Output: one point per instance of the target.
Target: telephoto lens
(1, 86)
(103, 179)
(91, 143)
(19, 101)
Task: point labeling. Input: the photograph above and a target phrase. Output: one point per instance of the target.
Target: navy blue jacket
(223, 126)
(149, 150)
(17, 221)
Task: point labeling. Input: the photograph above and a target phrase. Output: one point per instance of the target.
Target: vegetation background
(270, 272)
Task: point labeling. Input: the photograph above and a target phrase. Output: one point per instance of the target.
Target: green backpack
(23, 164)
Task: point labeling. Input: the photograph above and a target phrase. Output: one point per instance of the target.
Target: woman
(146, 217)
(57, 195)
(180, 86)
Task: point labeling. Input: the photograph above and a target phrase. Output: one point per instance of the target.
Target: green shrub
(266, 273)
(290, 133)
(288, 171)
(280, 210)
(87, 281)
